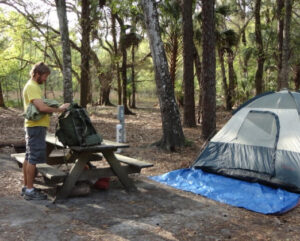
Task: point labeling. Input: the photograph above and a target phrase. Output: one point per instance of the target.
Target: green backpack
(74, 128)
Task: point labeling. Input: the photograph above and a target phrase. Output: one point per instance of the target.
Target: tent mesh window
(258, 129)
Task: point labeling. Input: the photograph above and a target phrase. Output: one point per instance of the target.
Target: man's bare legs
(25, 172)
(30, 175)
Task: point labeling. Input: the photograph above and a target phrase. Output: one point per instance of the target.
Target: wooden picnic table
(119, 165)
(82, 155)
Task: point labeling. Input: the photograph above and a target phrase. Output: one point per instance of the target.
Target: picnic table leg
(73, 176)
(49, 149)
(119, 172)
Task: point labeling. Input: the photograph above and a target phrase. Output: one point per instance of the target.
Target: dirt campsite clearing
(153, 212)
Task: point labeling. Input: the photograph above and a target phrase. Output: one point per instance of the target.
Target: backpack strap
(84, 126)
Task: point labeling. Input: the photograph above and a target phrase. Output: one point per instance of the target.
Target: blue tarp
(252, 196)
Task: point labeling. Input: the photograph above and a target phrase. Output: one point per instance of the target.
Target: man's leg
(25, 172)
(30, 175)
(36, 154)
(24, 176)
(32, 193)
(25, 163)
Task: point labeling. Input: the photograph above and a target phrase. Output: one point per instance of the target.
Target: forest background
(104, 53)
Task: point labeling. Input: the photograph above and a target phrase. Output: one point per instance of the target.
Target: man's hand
(64, 107)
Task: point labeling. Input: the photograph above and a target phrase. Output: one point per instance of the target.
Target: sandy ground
(153, 212)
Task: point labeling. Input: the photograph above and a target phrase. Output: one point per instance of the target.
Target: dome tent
(261, 142)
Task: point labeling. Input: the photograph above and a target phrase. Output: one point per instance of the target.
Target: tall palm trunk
(284, 73)
(231, 77)
(244, 40)
(133, 103)
(209, 69)
(124, 65)
(66, 50)
(198, 69)
(243, 17)
(224, 79)
(1, 96)
(280, 24)
(297, 77)
(172, 131)
(85, 53)
(260, 48)
(124, 78)
(188, 68)
(174, 57)
(114, 36)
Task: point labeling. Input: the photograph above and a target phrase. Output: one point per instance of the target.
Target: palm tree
(172, 130)
(209, 69)
(67, 65)
(170, 22)
(226, 40)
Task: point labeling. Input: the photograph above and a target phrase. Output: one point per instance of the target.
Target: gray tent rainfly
(260, 143)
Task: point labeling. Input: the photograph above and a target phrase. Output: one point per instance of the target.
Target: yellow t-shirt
(31, 92)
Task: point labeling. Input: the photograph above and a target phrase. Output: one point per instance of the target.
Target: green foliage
(170, 17)
(228, 38)
(145, 79)
(22, 44)
(13, 104)
(170, 8)
(188, 143)
(131, 39)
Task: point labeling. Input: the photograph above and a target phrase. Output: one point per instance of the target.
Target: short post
(120, 128)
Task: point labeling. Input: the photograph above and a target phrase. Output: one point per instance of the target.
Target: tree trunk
(284, 73)
(124, 79)
(259, 45)
(20, 90)
(245, 69)
(114, 36)
(85, 52)
(244, 40)
(172, 130)
(198, 67)
(209, 69)
(104, 81)
(89, 97)
(124, 66)
(224, 79)
(297, 77)
(66, 51)
(243, 17)
(133, 103)
(174, 57)
(1, 96)
(104, 99)
(119, 84)
(280, 24)
(231, 77)
(188, 68)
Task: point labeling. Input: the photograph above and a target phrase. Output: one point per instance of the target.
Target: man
(36, 130)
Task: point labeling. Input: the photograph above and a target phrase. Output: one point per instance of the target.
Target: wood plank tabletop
(106, 144)
(51, 138)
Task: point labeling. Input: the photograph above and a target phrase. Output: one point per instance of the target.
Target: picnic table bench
(119, 165)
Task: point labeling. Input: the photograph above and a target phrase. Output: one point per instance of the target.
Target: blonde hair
(39, 68)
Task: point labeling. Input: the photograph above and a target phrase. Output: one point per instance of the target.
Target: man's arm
(42, 107)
